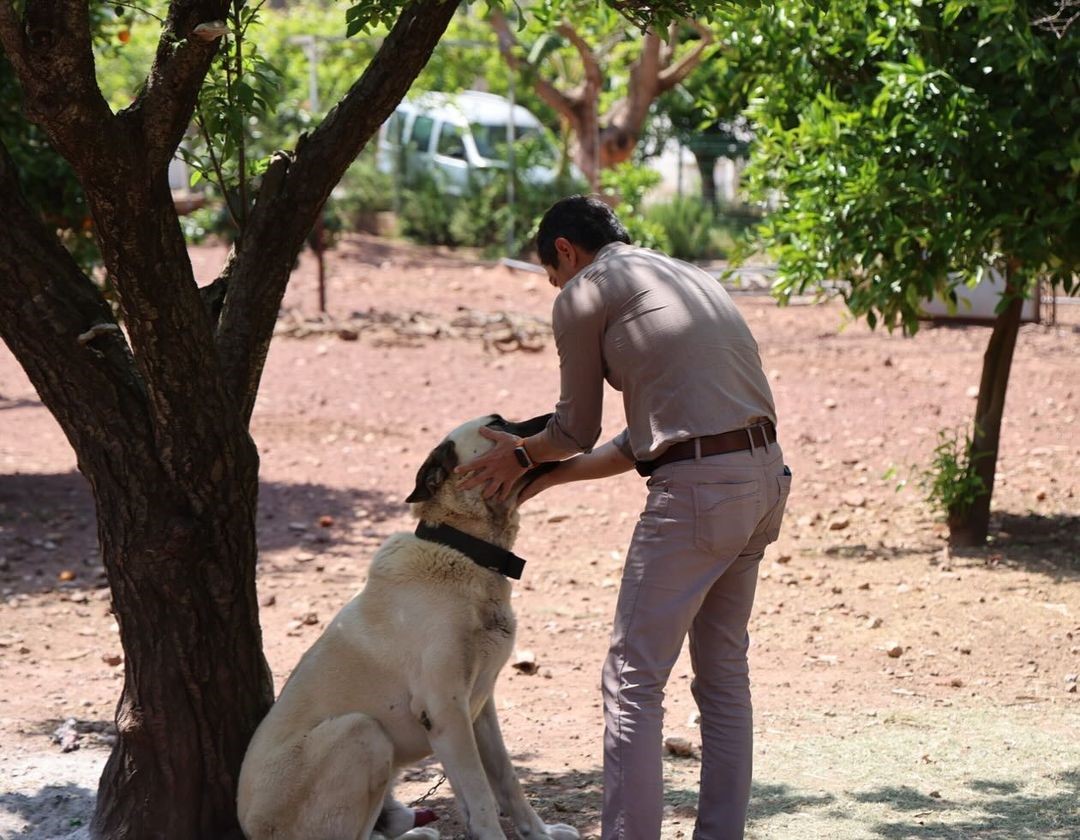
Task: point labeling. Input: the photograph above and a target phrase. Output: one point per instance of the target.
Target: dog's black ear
(434, 471)
(524, 428)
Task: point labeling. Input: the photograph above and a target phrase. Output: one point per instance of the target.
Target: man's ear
(565, 249)
(434, 471)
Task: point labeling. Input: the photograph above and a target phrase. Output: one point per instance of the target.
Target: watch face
(522, 457)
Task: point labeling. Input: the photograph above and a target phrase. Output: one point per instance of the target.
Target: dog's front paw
(562, 832)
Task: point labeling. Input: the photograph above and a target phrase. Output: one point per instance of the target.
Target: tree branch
(54, 61)
(295, 188)
(12, 37)
(671, 76)
(593, 76)
(62, 331)
(563, 104)
(141, 243)
(162, 111)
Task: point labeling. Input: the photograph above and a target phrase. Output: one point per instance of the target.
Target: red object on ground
(423, 816)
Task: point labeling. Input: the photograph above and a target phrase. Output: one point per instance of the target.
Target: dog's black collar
(479, 551)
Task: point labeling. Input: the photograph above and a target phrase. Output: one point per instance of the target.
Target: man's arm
(602, 462)
(578, 321)
(500, 469)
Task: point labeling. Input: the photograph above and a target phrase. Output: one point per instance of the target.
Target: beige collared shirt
(668, 336)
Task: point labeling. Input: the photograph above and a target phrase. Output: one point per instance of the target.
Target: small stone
(894, 650)
(873, 623)
(679, 746)
(268, 600)
(111, 659)
(525, 662)
(973, 391)
(65, 575)
(854, 499)
(839, 524)
(830, 403)
(956, 682)
(326, 521)
(309, 618)
(66, 736)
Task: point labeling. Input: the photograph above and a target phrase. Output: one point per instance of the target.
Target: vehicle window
(421, 133)
(451, 142)
(491, 139)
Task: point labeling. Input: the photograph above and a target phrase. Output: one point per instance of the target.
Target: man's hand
(498, 468)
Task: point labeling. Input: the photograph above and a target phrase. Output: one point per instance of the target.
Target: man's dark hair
(585, 220)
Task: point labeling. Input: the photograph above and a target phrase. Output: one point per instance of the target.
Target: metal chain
(432, 790)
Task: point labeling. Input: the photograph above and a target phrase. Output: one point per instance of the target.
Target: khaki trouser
(691, 568)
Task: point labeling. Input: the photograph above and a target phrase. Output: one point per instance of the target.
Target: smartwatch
(522, 455)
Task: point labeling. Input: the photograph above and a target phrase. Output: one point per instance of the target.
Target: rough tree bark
(607, 140)
(157, 412)
(969, 527)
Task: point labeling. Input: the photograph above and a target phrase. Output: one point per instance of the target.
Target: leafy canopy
(907, 144)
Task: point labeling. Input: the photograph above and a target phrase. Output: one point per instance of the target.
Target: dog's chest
(494, 635)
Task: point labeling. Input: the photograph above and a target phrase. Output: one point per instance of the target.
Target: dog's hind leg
(350, 764)
(403, 823)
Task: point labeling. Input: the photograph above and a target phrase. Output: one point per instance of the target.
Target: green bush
(481, 218)
(362, 192)
(627, 184)
(693, 231)
(688, 226)
(951, 483)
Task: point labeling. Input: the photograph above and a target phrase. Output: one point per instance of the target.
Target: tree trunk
(706, 165)
(969, 527)
(157, 412)
(196, 682)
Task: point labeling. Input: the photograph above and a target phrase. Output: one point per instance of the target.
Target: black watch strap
(522, 455)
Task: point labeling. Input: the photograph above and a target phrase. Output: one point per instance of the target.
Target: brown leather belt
(734, 441)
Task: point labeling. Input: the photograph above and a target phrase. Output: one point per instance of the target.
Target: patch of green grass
(933, 773)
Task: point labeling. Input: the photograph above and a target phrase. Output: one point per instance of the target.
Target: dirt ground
(971, 728)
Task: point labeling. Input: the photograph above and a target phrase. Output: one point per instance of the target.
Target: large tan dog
(406, 669)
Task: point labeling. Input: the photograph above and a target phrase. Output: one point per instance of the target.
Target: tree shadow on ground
(61, 808)
(996, 809)
(993, 809)
(576, 797)
(1047, 544)
(8, 403)
(314, 515)
(48, 527)
(767, 801)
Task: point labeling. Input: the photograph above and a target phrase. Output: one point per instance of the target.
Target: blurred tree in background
(903, 148)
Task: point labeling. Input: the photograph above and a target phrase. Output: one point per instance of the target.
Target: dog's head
(438, 487)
